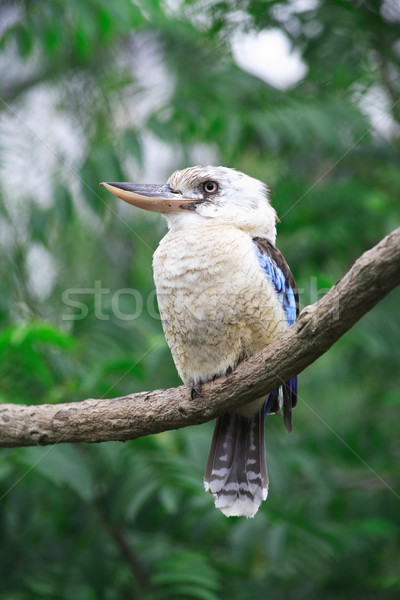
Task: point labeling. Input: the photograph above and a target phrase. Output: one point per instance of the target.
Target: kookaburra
(224, 292)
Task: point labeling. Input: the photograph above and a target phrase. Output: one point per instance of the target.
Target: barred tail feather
(289, 402)
(236, 472)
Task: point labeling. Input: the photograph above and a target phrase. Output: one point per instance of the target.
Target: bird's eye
(210, 187)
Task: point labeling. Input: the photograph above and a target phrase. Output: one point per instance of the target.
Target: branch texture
(319, 326)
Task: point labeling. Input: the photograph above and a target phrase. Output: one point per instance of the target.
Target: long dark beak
(158, 198)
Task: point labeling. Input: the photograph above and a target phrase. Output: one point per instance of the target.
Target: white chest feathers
(216, 304)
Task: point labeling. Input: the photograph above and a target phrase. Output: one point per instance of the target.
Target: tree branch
(319, 326)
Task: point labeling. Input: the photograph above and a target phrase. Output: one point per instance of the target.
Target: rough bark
(319, 326)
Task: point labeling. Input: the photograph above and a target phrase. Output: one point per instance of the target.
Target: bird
(224, 292)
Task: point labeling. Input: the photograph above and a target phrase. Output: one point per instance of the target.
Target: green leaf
(39, 222)
(37, 332)
(63, 466)
(187, 573)
(132, 144)
(25, 40)
(52, 40)
(191, 591)
(63, 204)
(85, 31)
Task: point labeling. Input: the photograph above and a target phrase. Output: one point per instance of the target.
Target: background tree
(94, 91)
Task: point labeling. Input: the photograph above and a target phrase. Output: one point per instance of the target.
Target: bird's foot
(196, 392)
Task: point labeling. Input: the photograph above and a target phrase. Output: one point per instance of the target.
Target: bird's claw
(196, 392)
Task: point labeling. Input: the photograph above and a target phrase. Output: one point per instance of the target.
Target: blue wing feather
(282, 285)
(276, 269)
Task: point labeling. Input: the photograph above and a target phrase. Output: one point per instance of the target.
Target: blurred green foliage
(92, 90)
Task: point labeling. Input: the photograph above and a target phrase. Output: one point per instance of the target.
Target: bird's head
(205, 195)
